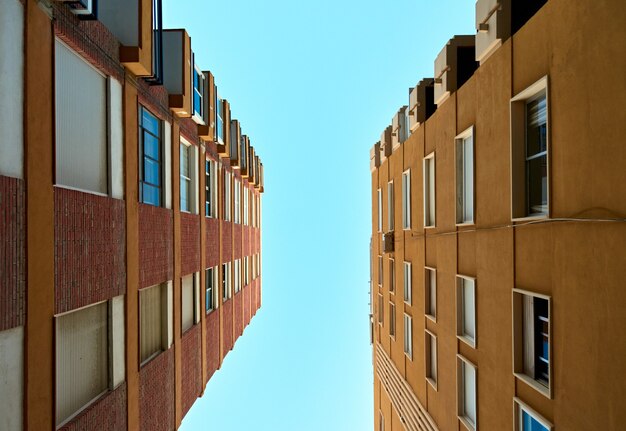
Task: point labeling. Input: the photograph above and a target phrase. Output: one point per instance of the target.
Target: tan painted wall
(579, 264)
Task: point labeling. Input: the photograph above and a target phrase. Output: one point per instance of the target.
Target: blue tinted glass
(149, 122)
(545, 349)
(196, 78)
(220, 129)
(529, 423)
(207, 301)
(151, 172)
(197, 103)
(151, 195)
(150, 146)
(184, 196)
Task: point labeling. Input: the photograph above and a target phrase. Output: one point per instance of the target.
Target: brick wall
(12, 253)
(189, 129)
(238, 313)
(156, 393)
(237, 237)
(155, 245)
(191, 367)
(189, 243)
(246, 305)
(212, 342)
(212, 245)
(108, 413)
(89, 248)
(227, 243)
(227, 330)
(89, 38)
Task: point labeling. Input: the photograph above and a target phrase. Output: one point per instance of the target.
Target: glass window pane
(537, 179)
(151, 172)
(184, 195)
(468, 308)
(149, 122)
(469, 391)
(536, 126)
(150, 146)
(151, 195)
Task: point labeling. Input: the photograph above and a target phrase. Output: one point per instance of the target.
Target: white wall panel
(116, 139)
(11, 88)
(11, 378)
(167, 163)
(117, 354)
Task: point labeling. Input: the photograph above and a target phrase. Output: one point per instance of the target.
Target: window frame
(408, 336)
(219, 118)
(406, 200)
(380, 209)
(142, 157)
(227, 282)
(211, 187)
(390, 206)
(518, 146)
(460, 310)
(199, 90)
(392, 319)
(460, 399)
(408, 282)
(519, 339)
(392, 275)
(429, 337)
(236, 200)
(195, 300)
(381, 310)
(188, 148)
(520, 406)
(214, 294)
(459, 175)
(227, 195)
(428, 272)
(430, 199)
(380, 271)
(166, 316)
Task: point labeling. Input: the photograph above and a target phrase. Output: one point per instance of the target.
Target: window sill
(467, 423)
(409, 356)
(465, 223)
(467, 340)
(408, 303)
(543, 390)
(432, 383)
(430, 226)
(530, 218)
(150, 358)
(85, 407)
(431, 317)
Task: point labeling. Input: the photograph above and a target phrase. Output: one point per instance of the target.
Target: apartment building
(130, 218)
(499, 228)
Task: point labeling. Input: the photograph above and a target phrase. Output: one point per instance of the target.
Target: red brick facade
(190, 243)
(12, 253)
(212, 342)
(155, 245)
(227, 330)
(238, 313)
(237, 236)
(212, 248)
(246, 304)
(108, 413)
(191, 367)
(89, 242)
(156, 393)
(227, 241)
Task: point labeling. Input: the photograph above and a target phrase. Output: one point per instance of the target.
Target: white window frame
(408, 282)
(392, 320)
(390, 209)
(430, 192)
(392, 276)
(380, 209)
(212, 188)
(519, 179)
(406, 199)
(201, 90)
(381, 422)
(381, 310)
(246, 196)
(213, 272)
(227, 281)
(227, 195)
(430, 274)
(191, 180)
(195, 300)
(429, 339)
(237, 201)
(167, 313)
(408, 336)
(520, 406)
(463, 282)
(461, 363)
(380, 271)
(465, 193)
(519, 339)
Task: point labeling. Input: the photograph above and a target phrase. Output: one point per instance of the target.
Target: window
(81, 123)
(526, 419)
(529, 152)
(246, 195)
(390, 205)
(392, 276)
(226, 281)
(198, 93)
(531, 339)
(185, 177)
(408, 336)
(466, 309)
(151, 161)
(380, 271)
(381, 309)
(407, 282)
(210, 186)
(237, 215)
(464, 148)
(154, 316)
(381, 422)
(429, 190)
(190, 301)
(227, 195)
(210, 294)
(406, 199)
(430, 351)
(246, 270)
(219, 118)
(237, 275)
(380, 210)
(466, 392)
(82, 360)
(430, 289)
(392, 319)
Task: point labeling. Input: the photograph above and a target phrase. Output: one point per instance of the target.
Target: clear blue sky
(313, 83)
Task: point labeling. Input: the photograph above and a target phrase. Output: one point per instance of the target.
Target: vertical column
(131, 187)
(39, 162)
(178, 408)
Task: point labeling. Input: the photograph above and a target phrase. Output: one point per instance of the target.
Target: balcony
(206, 131)
(244, 150)
(399, 128)
(223, 143)
(421, 102)
(388, 242)
(375, 157)
(235, 147)
(385, 144)
(454, 65)
(493, 26)
(177, 76)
